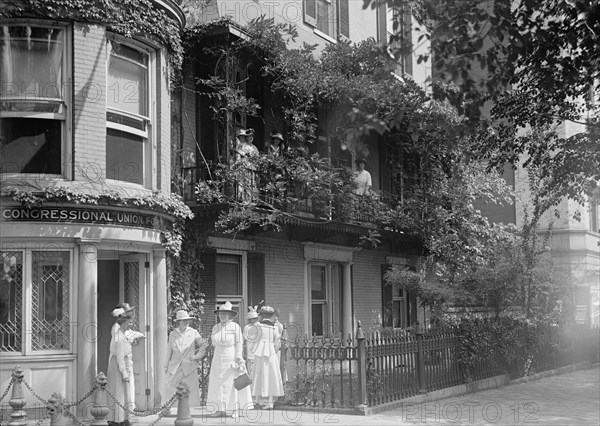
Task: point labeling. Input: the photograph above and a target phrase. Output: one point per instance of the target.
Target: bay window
(128, 116)
(34, 98)
(35, 292)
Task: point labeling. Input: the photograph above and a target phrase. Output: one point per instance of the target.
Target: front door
(132, 289)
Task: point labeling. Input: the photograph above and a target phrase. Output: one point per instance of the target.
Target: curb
(458, 390)
(557, 371)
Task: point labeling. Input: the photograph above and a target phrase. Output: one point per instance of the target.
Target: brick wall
(89, 102)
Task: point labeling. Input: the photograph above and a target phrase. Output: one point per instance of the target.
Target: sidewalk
(567, 399)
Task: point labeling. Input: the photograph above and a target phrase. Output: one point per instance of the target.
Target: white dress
(180, 366)
(120, 367)
(251, 337)
(266, 380)
(228, 341)
(364, 182)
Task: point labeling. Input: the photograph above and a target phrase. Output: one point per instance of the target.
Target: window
(228, 275)
(325, 298)
(399, 309)
(401, 34)
(128, 117)
(321, 15)
(34, 98)
(35, 300)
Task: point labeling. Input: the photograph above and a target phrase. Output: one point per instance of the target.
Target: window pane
(228, 275)
(131, 290)
(326, 17)
(317, 319)
(124, 157)
(50, 297)
(30, 145)
(11, 299)
(317, 282)
(127, 88)
(31, 61)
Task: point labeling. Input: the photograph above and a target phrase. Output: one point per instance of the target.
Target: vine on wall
(172, 236)
(126, 17)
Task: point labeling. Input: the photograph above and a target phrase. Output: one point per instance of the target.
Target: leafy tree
(536, 62)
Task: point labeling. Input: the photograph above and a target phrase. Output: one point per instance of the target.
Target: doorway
(124, 280)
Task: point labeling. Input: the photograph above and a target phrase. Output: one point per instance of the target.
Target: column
(87, 320)
(160, 325)
(347, 301)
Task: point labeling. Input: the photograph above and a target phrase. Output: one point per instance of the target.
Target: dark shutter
(344, 18)
(256, 278)
(310, 12)
(387, 306)
(208, 287)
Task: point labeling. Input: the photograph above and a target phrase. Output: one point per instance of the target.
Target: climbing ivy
(172, 234)
(126, 17)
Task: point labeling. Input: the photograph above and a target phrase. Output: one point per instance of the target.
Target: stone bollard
(100, 408)
(184, 417)
(57, 411)
(18, 417)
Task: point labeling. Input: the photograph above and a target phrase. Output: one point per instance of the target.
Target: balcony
(325, 196)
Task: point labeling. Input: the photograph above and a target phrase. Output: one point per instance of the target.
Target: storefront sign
(77, 215)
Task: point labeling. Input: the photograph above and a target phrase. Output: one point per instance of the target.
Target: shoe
(218, 414)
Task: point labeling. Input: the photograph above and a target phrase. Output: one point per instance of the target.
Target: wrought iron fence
(399, 364)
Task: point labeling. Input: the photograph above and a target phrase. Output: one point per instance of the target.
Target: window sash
(42, 307)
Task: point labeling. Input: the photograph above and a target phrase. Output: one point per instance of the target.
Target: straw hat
(182, 315)
(226, 307)
(266, 310)
(277, 136)
(121, 309)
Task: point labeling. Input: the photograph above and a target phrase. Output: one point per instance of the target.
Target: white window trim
(244, 266)
(66, 117)
(324, 36)
(149, 172)
(332, 306)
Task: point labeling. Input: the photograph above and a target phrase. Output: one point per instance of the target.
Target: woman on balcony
(227, 364)
(362, 178)
(245, 149)
(276, 147)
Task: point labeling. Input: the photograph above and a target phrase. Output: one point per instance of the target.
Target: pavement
(566, 399)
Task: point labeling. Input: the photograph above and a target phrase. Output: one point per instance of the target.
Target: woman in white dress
(184, 349)
(120, 368)
(227, 364)
(267, 385)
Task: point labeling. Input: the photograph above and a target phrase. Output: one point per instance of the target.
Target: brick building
(86, 113)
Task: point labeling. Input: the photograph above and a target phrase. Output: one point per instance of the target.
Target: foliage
(171, 205)
(437, 181)
(537, 62)
(310, 385)
(129, 18)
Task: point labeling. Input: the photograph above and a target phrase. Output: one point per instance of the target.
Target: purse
(241, 381)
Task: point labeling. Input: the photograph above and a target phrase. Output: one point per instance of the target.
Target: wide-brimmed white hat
(277, 136)
(121, 309)
(266, 310)
(182, 314)
(226, 307)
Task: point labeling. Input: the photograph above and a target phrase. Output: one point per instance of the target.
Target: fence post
(17, 401)
(362, 369)
(184, 417)
(100, 408)
(283, 355)
(420, 359)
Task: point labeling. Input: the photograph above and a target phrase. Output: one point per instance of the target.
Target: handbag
(241, 381)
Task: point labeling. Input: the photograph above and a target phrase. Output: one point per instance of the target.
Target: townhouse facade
(85, 168)
(312, 270)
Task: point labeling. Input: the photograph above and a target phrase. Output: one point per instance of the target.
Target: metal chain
(7, 389)
(83, 398)
(40, 421)
(33, 392)
(75, 418)
(144, 413)
(164, 410)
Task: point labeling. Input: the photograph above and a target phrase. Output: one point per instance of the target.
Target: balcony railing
(250, 186)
